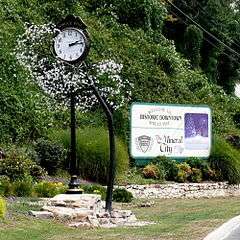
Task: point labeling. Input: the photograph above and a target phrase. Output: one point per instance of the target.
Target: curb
(224, 230)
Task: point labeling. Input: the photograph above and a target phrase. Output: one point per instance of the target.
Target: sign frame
(145, 159)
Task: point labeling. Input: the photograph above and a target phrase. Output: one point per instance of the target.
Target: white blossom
(59, 79)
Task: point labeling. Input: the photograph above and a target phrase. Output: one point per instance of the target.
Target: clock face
(70, 44)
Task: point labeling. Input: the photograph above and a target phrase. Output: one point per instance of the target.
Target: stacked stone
(85, 210)
(184, 190)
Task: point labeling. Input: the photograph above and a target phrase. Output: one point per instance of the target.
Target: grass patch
(176, 219)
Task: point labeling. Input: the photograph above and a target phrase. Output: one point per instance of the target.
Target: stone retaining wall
(184, 190)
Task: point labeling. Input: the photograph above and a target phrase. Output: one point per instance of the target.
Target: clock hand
(74, 43)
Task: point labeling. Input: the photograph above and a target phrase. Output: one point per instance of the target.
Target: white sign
(170, 130)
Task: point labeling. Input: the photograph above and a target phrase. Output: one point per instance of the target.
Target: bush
(225, 160)
(97, 189)
(203, 165)
(17, 166)
(49, 189)
(23, 187)
(154, 172)
(169, 166)
(196, 175)
(3, 208)
(93, 152)
(51, 155)
(184, 171)
(150, 171)
(122, 195)
(6, 188)
(134, 176)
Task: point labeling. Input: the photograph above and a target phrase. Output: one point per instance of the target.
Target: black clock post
(71, 45)
(74, 56)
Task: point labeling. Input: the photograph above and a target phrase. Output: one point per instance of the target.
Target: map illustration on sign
(196, 131)
(175, 131)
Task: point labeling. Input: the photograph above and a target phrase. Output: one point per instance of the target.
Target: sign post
(176, 131)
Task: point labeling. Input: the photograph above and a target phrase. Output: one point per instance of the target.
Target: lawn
(175, 220)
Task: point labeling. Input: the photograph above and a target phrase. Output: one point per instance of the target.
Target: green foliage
(184, 172)
(96, 189)
(17, 165)
(169, 166)
(51, 155)
(134, 176)
(137, 14)
(207, 173)
(23, 187)
(196, 175)
(49, 189)
(217, 17)
(122, 195)
(193, 39)
(225, 160)
(93, 152)
(3, 208)
(154, 172)
(6, 188)
(129, 32)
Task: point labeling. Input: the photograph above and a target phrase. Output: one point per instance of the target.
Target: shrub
(151, 171)
(49, 189)
(154, 172)
(184, 171)
(225, 160)
(122, 195)
(203, 165)
(194, 162)
(93, 152)
(169, 166)
(6, 188)
(97, 189)
(23, 187)
(3, 208)
(196, 175)
(17, 166)
(51, 155)
(181, 176)
(134, 176)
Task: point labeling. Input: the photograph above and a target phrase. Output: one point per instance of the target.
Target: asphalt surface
(235, 235)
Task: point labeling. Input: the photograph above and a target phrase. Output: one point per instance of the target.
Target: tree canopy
(164, 53)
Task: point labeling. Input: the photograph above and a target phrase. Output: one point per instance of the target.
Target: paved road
(235, 235)
(228, 231)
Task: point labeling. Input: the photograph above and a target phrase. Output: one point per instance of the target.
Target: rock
(184, 190)
(90, 201)
(103, 214)
(104, 221)
(79, 224)
(60, 212)
(132, 218)
(41, 214)
(93, 221)
(118, 221)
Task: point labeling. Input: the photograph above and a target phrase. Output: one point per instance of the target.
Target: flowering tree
(59, 79)
(100, 81)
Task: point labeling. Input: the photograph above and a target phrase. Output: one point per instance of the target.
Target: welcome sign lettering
(170, 130)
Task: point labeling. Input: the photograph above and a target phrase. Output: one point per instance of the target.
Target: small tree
(58, 79)
(101, 81)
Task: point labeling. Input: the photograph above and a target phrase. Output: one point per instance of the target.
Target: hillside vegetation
(166, 57)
